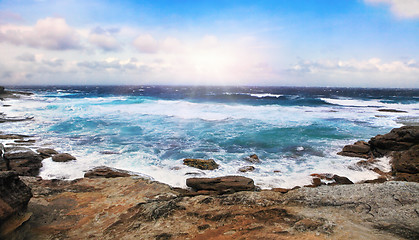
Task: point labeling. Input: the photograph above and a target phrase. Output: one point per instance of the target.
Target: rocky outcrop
(46, 152)
(400, 144)
(63, 157)
(247, 169)
(221, 185)
(202, 164)
(14, 198)
(22, 160)
(106, 172)
(359, 149)
(252, 158)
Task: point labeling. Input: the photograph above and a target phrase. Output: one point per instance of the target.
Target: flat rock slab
(106, 172)
(202, 164)
(222, 184)
(63, 157)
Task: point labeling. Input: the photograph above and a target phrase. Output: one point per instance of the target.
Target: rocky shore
(114, 204)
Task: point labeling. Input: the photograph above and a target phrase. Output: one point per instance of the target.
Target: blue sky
(349, 43)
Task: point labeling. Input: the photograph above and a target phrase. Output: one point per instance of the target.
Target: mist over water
(151, 129)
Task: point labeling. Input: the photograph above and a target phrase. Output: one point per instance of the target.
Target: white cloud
(372, 72)
(400, 8)
(104, 39)
(27, 57)
(146, 44)
(48, 33)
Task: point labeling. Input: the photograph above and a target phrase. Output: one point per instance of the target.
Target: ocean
(149, 130)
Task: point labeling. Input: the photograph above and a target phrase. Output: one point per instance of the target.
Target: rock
(406, 161)
(14, 197)
(246, 169)
(62, 157)
(398, 139)
(307, 225)
(202, 164)
(253, 158)
(106, 172)
(281, 190)
(341, 180)
(359, 149)
(22, 160)
(12, 136)
(46, 152)
(391, 110)
(222, 184)
(317, 182)
(325, 176)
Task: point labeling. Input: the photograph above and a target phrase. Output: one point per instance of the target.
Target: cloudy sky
(358, 43)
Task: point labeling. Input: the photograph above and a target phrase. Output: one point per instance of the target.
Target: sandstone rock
(202, 164)
(14, 195)
(407, 161)
(62, 157)
(46, 152)
(22, 160)
(253, 158)
(246, 169)
(359, 149)
(398, 139)
(106, 172)
(222, 184)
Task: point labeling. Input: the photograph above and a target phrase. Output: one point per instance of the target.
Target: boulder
(406, 161)
(14, 195)
(22, 160)
(106, 172)
(253, 158)
(398, 139)
(247, 169)
(202, 164)
(359, 149)
(62, 157)
(341, 180)
(228, 184)
(46, 152)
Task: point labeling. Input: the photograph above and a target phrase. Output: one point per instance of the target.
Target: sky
(326, 43)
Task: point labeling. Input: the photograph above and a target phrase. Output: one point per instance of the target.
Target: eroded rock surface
(202, 164)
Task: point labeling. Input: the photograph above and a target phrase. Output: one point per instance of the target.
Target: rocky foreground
(112, 204)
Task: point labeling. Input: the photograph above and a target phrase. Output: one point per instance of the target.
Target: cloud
(146, 44)
(53, 62)
(27, 57)
(104, 39)
(400, 8)
(7, 16)
(48, 33)
(113, 65)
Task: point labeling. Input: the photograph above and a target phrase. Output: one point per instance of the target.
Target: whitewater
(149, 130)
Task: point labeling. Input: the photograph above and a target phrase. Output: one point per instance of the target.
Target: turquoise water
(151, 129)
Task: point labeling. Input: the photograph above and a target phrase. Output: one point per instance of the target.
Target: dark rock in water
(62, 157)
(106, 172)
(253, 158)
(14, 195)
(46, 152)
(359, 149)
(246, 169)
(398, 139)
(228, 184)
(202, 164)
(341, 180)
(391, 110)
(22, 160)
(12, 136)
(109, 152)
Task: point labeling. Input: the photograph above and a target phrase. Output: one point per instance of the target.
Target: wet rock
(391, 110)
(22, 160)
(246, 169)
(222, 185)
(202, 164)
(281, 190)
(12, 136)
(359, 149)
(407, 161)
(253, 158)
(46, 152)
(62, 157)
(14, 197)
(341, 180)
(106, 172)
